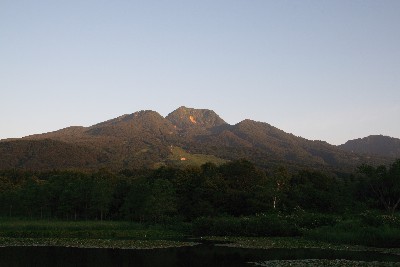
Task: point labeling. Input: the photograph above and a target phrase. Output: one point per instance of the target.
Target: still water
(201, 255)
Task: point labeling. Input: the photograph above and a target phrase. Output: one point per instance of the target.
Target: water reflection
(202, 255)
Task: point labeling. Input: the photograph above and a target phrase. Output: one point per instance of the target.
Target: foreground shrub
(375, 219)
(305, 220)
(355, 233)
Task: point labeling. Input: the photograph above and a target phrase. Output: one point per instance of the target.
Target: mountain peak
(143, 114)
(184, 117)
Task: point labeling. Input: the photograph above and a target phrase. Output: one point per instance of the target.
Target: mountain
(186, 136)
(135, 140)
(374, 145)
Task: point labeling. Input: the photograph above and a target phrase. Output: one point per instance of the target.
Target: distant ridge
(381, 145)
(187, 136)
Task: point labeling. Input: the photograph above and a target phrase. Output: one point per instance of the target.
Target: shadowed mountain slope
(48, 154)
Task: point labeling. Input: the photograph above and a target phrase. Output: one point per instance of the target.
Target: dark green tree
(133, 207)
(314, 191)
(384, 184)
(102, 192)
(161, 202)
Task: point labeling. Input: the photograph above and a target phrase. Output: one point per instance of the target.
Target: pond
(200, 255)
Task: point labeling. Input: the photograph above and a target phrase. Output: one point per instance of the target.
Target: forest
(233, 199)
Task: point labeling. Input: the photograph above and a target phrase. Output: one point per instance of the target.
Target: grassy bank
(293, 243)
(89, 234)
(93, 243)
(366, 229)
(22, 228)
(301, 230)
(325, 263)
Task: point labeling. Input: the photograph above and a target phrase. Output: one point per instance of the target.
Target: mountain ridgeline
(374, 145)
(187, 136)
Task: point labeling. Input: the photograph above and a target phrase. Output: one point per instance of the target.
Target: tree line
(237, 188)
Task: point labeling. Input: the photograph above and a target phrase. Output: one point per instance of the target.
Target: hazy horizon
(320, 70)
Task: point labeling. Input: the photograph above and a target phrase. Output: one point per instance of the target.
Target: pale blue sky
(326, 70)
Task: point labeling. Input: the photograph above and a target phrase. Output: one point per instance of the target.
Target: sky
(323, 70)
